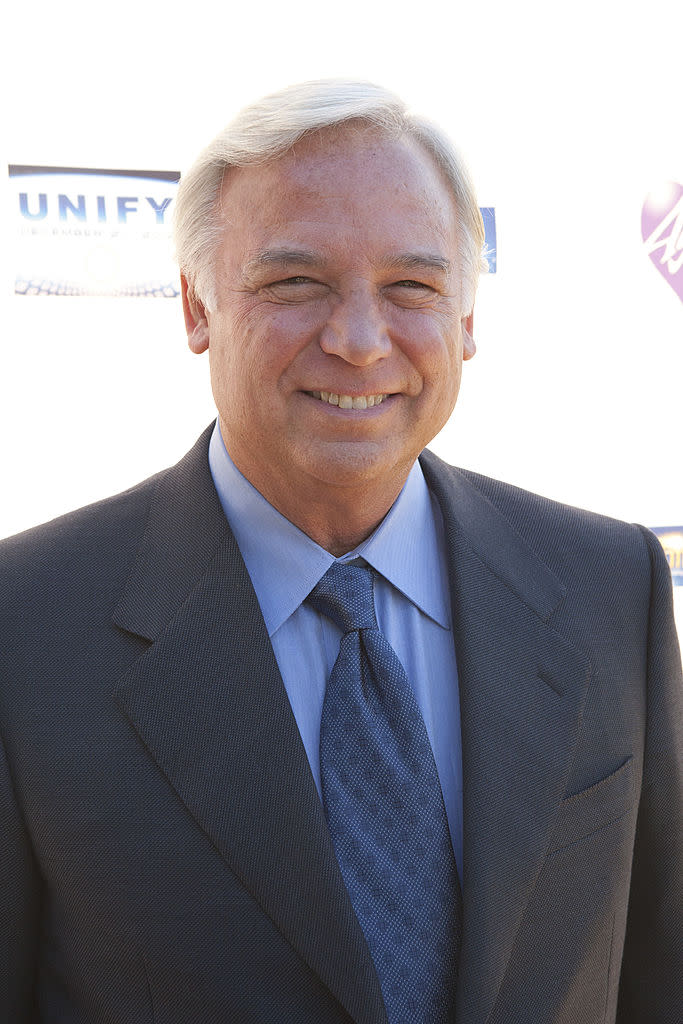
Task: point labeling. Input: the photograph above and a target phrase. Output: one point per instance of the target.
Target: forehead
(349, 181)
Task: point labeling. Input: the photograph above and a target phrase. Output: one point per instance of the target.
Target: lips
(348, 401)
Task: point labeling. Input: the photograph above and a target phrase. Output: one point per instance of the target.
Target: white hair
(271, 127)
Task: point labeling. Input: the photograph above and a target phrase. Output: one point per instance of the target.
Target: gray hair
(271, 127)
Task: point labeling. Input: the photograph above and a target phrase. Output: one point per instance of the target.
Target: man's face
(337, 343)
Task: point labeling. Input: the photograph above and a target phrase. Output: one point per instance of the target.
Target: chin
(351, 464)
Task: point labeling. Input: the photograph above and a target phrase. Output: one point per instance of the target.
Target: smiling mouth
(348, 401)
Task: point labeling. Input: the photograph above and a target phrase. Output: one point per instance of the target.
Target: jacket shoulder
(567, 538)
(93, 540)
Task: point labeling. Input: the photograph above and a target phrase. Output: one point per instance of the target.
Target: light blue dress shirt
(412, 604)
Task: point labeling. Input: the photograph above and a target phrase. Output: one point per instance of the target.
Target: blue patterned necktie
(385, 809)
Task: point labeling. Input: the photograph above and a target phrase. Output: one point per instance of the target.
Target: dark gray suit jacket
(164, 857)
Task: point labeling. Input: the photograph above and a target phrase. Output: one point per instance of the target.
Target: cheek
(288, 330)
(438, 358)
(233, 347)
(221, 364)
(273, 336)
(444, 374)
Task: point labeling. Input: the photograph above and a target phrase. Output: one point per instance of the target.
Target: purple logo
(662, 230)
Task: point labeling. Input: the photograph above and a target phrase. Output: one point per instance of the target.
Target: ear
(196, 321)
(468, 345)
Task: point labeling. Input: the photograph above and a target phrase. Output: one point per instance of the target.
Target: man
(304, 729)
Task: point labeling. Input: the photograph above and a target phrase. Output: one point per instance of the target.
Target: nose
(355, 330)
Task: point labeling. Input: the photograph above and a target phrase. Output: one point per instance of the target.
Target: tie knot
(345, 595)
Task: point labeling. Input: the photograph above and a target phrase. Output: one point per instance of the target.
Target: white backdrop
(569, 118)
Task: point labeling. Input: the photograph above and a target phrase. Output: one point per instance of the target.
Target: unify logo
(69, 197)
(662, 231)
(82, 208)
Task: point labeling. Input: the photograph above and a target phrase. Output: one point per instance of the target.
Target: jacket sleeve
(19, 908)
(652, 967)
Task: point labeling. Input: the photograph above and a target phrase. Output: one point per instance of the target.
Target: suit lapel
(208, 701)
(522, 688)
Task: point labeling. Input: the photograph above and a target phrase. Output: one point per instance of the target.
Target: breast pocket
(585, 813)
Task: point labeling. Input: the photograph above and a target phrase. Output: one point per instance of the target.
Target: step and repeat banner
(570, 123)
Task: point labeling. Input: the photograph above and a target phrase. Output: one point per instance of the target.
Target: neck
(333, 519)
(336, 517)
(337, 530)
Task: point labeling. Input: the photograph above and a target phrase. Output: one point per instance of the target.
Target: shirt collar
(284, 564)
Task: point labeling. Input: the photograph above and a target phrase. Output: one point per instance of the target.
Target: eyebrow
(281, 257)
(307, 257)
(420, 261)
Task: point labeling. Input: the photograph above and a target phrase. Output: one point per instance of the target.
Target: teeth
(348, 401)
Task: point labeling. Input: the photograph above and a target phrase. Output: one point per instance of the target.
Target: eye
(410, 294)
(297, 288)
